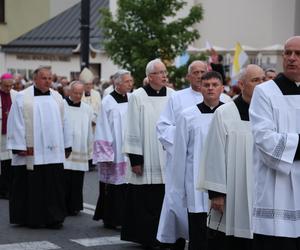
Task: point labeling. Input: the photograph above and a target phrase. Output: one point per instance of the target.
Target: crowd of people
(198, 165)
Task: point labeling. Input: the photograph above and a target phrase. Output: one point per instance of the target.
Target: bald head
(197, 63)
(291, 58)
(251, 76)
(195, 71)
(291, 40)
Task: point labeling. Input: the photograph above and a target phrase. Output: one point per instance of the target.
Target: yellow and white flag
(239, 59)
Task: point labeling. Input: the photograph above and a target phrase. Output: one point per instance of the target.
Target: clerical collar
(206, 109)
(152, 92)
(87, 93)
(71, 103)
(243, 108)
(118, 97)
(38, 92)
(286, 86)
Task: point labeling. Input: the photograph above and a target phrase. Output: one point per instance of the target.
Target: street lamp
(85, 33)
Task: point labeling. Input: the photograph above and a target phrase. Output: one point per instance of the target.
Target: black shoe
(178, 245)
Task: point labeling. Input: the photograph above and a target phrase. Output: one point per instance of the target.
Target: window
(2, 11)
(12, 71)
(74, 75)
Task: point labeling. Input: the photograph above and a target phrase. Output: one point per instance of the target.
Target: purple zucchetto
(7, 76)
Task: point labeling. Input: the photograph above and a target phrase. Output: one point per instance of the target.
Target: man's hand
(138, 170)
(28, 152)
(218, 203)
(22, 153)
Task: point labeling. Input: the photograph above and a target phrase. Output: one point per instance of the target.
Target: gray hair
(193, 63)
(118, 76)
(76, 82)
(151, 64)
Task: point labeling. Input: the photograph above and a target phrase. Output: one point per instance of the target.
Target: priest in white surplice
(40, 139)
(80, 116)
(226, 168)
(274, 115)
(92, 98)
(147, 157)
(191, 129)
(7, 96)
(108, 155)
(173, 224)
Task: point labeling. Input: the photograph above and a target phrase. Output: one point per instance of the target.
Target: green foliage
(142, 31)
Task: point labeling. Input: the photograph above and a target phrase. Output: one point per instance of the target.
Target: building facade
(260, 26)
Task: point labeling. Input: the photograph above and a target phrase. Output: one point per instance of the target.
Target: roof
(61, 34)
(204, 49)
(246, 48)
(275, 47)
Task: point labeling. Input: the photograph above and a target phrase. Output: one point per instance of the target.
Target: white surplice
(94, 100)
(82, 136)
(226, 167)
(179, 101)
(191, 130)
(140, 136)
(276, 128)
(109, 137)
(51, 135)
(173, 222)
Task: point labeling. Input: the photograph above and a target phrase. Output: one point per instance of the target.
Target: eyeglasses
(289, 53)
(162, 72)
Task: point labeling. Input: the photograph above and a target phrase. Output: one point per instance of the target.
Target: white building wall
(2, 63)
(254, 23)
(107, 66)
(113, 6)
(58, 6)
(59, 67)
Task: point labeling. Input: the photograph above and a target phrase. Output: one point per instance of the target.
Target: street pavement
(78, 232)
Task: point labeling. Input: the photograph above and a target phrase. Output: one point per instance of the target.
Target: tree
(142, 31)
